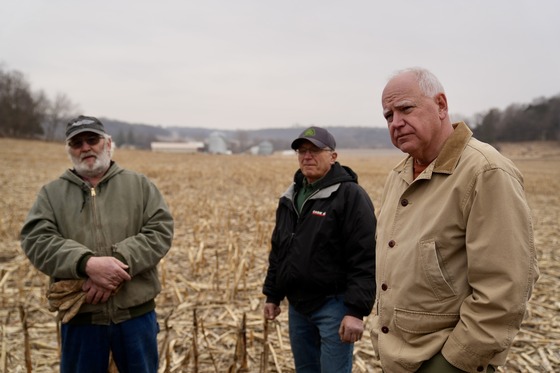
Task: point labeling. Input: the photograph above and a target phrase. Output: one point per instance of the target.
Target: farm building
(263, 148)
(177, 147)
(217, 143)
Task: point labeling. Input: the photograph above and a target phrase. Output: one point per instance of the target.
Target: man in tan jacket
(456, 261)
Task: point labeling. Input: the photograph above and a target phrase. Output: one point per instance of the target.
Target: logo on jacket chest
(318, 213)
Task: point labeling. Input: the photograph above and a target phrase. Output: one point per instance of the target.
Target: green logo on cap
(309, 132)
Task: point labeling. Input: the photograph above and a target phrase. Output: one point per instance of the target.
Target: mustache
(88, 154)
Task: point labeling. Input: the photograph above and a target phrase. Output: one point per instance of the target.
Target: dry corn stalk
(224, 213)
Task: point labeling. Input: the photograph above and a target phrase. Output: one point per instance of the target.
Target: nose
(84, 146)
(397, 120)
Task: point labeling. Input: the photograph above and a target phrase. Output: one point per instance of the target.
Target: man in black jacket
(322, 257)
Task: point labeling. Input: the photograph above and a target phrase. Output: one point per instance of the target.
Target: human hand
(95, 293)
(106, 272)
(271, 310)
(351, 329)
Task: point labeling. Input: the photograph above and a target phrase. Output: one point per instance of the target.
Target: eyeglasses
(90, 140)
(311, 151)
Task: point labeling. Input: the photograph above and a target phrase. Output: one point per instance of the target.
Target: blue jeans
(315, 342)
(133, 343)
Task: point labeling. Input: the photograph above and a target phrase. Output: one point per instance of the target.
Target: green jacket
(456, 260)
(123, 216)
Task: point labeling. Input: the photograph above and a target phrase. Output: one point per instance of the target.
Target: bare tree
(58, 112)
(21, 111)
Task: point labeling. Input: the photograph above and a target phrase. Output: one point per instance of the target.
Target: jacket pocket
(422, 334)
(419, 322)
(434, 268)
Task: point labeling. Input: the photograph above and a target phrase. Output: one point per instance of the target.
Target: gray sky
(248, 64)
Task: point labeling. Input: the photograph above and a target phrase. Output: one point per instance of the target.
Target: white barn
(177, 147)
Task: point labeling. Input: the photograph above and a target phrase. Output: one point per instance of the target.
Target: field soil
(210, 309)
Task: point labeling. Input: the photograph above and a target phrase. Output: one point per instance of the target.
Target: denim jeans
(133, 343)
(315, 342)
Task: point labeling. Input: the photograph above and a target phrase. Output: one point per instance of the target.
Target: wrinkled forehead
(400, 90)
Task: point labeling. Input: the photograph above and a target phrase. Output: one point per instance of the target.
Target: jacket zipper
(99, 242)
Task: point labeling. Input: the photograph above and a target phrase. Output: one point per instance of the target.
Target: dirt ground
(210, 309)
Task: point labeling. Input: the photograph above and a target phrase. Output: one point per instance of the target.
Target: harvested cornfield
(210, 310)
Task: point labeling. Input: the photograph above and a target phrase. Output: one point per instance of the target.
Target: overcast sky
(249, 64)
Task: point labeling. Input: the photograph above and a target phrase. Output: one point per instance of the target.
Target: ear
(333, 157)
(441, 102)
(110, 146)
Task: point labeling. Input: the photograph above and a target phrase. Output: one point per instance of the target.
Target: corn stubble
(210, 309)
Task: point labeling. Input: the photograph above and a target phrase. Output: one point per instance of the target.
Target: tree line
(538, 121)
(25, 113)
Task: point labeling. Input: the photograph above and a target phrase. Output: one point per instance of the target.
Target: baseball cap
(84, 124)
(320, 137)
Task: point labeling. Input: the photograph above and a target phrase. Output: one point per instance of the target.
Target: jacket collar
(451, 152)
(337, 174)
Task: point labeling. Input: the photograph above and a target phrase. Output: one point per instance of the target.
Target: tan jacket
(456, 261)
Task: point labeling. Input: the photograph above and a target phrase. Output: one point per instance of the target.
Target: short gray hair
(429, 84)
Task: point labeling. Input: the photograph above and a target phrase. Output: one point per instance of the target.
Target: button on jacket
(456, 260)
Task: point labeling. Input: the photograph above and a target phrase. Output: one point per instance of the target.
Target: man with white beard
(99, 232)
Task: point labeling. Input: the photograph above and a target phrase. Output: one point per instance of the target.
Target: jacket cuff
(272, 300)
(119, 257)
(82, 265)
(458, 356)
(352, 311)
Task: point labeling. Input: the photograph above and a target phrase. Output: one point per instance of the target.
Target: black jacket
(328, 249)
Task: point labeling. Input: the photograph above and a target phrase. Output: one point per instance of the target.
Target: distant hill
(141, 135)
(31, 115)
(537, 121)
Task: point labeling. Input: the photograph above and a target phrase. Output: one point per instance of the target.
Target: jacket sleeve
(45, 246)
(144, 250)
(502, 269)
(273, 295)
(359, 231)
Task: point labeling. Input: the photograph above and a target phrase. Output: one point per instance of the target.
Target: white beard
(98, 168)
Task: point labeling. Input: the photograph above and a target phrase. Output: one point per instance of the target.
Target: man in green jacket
(456, 258)
(99, 231)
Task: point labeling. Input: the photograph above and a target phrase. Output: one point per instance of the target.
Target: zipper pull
(92, 192)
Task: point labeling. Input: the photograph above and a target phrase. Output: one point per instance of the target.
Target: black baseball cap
(320, 137)
(84, 124)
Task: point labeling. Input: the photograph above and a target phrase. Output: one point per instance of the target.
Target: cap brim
(298, 141)
(82, 130)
